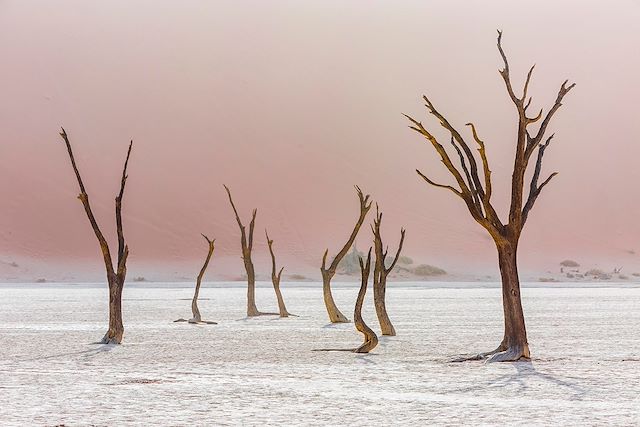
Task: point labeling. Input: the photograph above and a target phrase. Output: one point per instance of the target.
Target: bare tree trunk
(380, 274)
(335, 316)
(115, 332)
(246, 244)
(476, 195)
(115, 274)
(379, 291)
(196, 316)
(252, 309)
(370, 337)
(275, 279)
(514, 344)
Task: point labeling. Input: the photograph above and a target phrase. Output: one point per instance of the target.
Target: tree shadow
(525, 371)
(101, 348)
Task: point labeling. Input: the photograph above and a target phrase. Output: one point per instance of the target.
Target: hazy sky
(291, 103)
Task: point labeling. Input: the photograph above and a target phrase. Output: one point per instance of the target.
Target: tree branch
(84, 198)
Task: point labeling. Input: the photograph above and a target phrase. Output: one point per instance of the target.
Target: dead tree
(476, 194)
(196, 317)
(115, 274)
(246, 243)
(370, 337)
(380, 273)
(335, 316)
(275, 279)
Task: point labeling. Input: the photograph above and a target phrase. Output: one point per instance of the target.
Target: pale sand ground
(585, 371)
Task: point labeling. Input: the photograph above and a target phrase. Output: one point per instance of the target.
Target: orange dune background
(291, 104)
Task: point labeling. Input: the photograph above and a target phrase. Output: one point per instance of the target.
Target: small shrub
(594, 272)
(139, 279)
(297, 277)
(41, 280)
(569, 263)
(428, 270)
(405, 260)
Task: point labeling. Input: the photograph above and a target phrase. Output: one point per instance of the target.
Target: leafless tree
(275, 279)
(246, 243)
(115, 274)
(476, 194)
(370, 337)
(335, 316)
(380, 273)
(196, 317)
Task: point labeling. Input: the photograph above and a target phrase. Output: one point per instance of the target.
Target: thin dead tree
(196, 317)
(335, 316)
(246, 243)
(380, 274)
(370, 337)
(476, 194)
(275, 279)
(115, 274)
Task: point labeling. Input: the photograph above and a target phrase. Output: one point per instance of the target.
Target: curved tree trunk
(196, 317)
(275, 279)
(115, 332)
(335, 316)
(370, 337)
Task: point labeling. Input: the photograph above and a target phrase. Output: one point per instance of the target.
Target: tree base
(110, 340)
(260, 313)
(500, 354)
(196, 322)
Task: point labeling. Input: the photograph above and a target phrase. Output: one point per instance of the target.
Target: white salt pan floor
(585, 370)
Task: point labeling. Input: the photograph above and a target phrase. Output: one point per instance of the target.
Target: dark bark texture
(116, 274)
(476, 195)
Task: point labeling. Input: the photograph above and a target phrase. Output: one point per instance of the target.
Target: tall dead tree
(335, 316)
(196, 317)
(115, 274)
(476, 194)
(370, 337)
(246, 243)
(275, 279)
(380, 273)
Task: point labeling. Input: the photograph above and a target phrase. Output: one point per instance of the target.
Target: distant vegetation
(569, 263)
(428, 270)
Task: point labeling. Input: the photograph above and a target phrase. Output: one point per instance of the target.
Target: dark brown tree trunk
(115, 332)
(115, 274)
(514, 344)
(476, 195)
